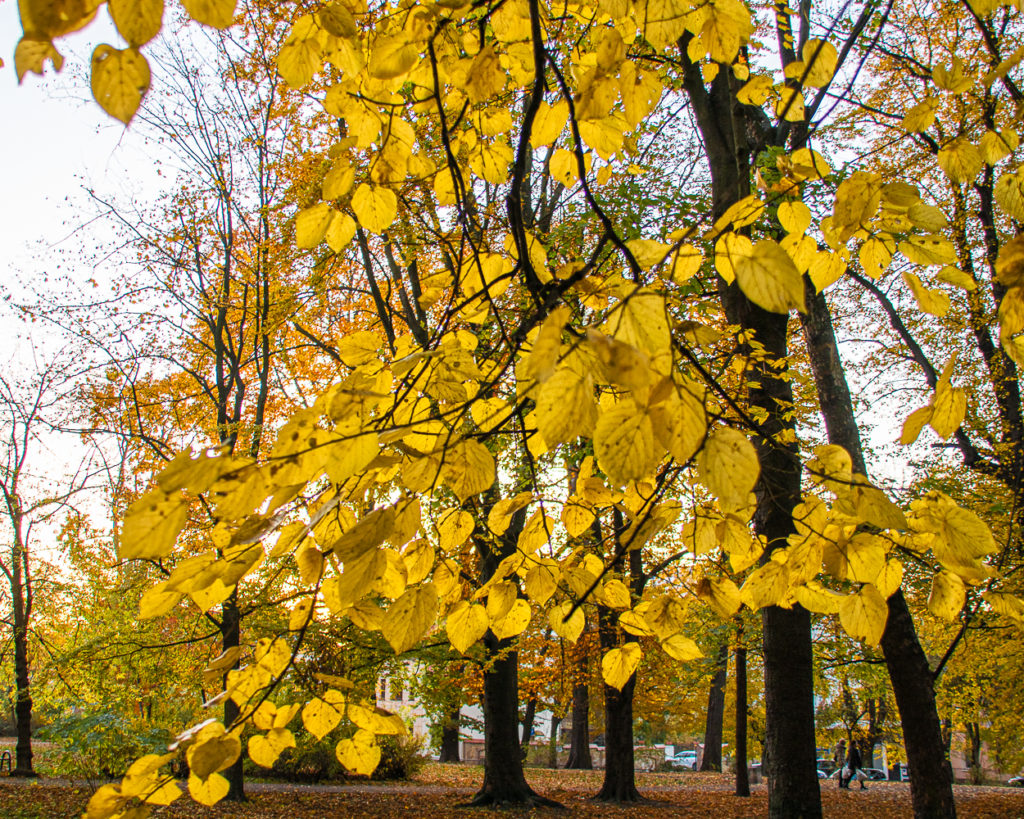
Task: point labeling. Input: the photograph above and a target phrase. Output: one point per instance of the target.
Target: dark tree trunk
(619, 777)
(23, 703)
(579, 738)
(553, 743)
(504, 782)
(931, 781)
(230, 630)
(711, 759)
(619, 766)
(742, 778)
(789, 683)
(450, 737)
(974, 752)
(528, 719)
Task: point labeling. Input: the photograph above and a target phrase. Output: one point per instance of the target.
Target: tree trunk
(974, 753)
(711, 759)
(504, 782)
(528, 718)
(230, 630)
(579, 738)
(450, 737)
(553, 743)
(742, 778)
(931, 781)
(22, 682)
(619, 766)
(789, 682)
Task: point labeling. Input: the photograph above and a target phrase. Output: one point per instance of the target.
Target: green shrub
(100, 744)
(400, 757)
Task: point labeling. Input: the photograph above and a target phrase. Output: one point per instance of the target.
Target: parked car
(686, 760)
(822, 774)
(1015, 782)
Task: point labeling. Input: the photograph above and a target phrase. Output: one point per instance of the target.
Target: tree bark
(23, 702)
(742, 777)
(931, 782)
(449, 751)
(553, 743)
(528, 719)
(230, 629)
(619, 765)
(711, 759)
(504, 782)
(579, 738)
(789, 683)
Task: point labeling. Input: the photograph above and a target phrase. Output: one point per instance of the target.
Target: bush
(100, 744)
(400, 757)
(310, 761)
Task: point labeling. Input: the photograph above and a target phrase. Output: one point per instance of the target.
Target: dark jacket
(853, 759)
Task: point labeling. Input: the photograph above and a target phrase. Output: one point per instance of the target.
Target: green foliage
(401, 757)
(100, 743)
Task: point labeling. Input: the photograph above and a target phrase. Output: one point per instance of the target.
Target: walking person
(839, 757)
(853, 764)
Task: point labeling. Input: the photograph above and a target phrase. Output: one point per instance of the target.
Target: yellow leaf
(138, 21)
(889, 579)
(875, 256)
(540, 583)
(815, 597)
(455, 525)
(311, 225)
(615, 595)
(500, 597)
(359, 755)
(151, 525)
(857, 200)
(826, 269)
(624, 443)
(322, 715)
(722, 595)
(540, 364)
(914, 424)
(375, 207)
(264, 750)
(642, 322)
(647, 252)
(500, 516)
(729, 467)
(949, 406)
(756, 90)
(1009, 193)
(821, 58)
(565, 406)
(947, 596)
(863, 615)
(410, 617)
(569, 629)
(618, 664)
(790, 105)
(548, 123)
(769, 278)
(157, 601)
(340, 231)
(577, 517)
(921, 116)
(208, 791)
(392, 57)
(929, 300)
(681, 648)
(928, 250)
(997, 145)
(120, 79)
(635, 624)
(795, 217)
(216, 752)
(213, 13)
(514, 622)
(419, 560)
(468, 469)
(466, 625)
(766, 586)
(960, 160)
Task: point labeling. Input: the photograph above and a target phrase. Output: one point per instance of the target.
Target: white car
(687, 760)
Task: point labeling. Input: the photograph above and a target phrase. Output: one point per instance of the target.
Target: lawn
(440, 789)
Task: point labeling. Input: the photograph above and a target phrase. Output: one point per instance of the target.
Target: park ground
(439, 790)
